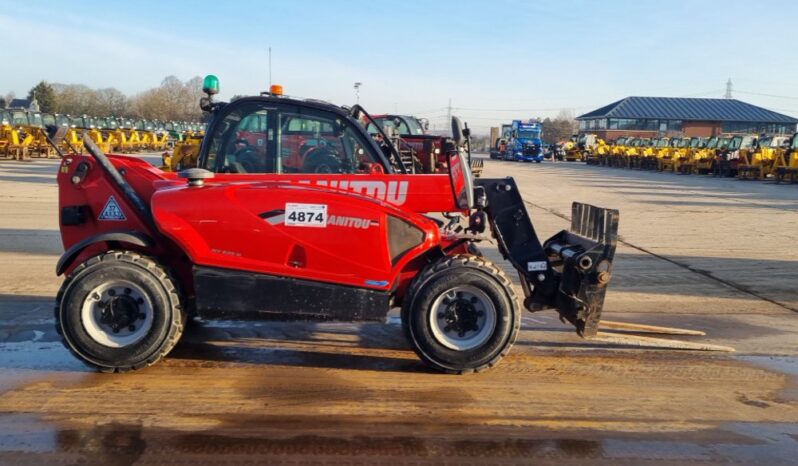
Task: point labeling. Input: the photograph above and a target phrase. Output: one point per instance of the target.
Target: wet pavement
(299, 393)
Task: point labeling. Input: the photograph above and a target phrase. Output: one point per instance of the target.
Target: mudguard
(135, 238)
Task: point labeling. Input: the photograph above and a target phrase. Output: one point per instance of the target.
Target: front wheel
(461, 314)
(119, 311)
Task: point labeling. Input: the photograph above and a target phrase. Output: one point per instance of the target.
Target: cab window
(317, 142)
(252, 138)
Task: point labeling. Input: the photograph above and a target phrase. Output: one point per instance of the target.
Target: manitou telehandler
(242, 236)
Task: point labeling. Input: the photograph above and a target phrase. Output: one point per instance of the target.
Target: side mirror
(424, 123)
(457, 130)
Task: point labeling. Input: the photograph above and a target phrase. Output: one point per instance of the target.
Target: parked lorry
(525, 144)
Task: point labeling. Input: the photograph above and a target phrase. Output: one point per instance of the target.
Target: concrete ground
(696, 252)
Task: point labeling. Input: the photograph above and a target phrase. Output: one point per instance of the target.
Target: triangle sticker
(112, 211)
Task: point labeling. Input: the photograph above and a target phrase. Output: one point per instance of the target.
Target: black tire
(147, 276)
(433, 282)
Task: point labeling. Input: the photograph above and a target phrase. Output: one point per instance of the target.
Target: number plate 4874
(306, 215)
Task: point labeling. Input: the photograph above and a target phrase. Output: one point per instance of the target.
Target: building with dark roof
(19, 103)
(659, 116)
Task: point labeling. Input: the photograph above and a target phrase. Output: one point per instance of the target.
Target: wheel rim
(117, 314)
(462, 318)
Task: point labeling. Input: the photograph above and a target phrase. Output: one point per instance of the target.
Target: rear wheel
(119, 311)
(461, 314)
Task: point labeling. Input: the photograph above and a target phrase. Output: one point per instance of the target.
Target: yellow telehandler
(788, 169)
(758, 163)
(19, 141)
(617, 157)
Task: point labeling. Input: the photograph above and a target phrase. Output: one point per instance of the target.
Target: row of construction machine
(23, 134)
(746, 157)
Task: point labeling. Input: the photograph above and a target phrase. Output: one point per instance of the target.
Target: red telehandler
(343, 235)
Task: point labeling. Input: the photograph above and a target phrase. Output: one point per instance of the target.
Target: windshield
(529, 134)
(777, 142)
(663, 143)
(794, 144)
(735, 143)
(406, 126)
(695, 142)
(48, 119)
(19, 119)
(35, 119)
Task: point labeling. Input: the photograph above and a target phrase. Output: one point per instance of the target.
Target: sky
(494, 60)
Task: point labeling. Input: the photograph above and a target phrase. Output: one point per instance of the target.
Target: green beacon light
(210, 85)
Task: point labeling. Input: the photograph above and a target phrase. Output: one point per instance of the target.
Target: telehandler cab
(244, 235)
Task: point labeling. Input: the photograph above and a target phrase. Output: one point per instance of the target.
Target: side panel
(222, 293)
(248, 227)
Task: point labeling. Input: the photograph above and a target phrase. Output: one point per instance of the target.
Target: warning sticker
(112, 211)
(306, 215)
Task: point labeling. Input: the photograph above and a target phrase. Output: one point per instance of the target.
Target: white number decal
(306, 215)
(541, 266)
